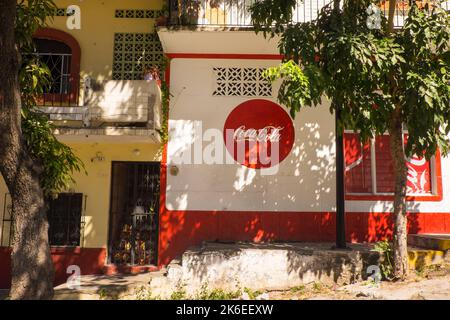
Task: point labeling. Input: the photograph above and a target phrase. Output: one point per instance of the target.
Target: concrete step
(419, 258)
(270, 266)
(439, 242)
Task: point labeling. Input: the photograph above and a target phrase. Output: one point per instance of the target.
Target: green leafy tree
(378, 79)
(33, 163)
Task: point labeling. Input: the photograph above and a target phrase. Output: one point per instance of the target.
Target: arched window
(61, 53)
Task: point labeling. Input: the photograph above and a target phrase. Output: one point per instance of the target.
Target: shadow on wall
(310, 168)
(89, 260)
(378, 225)
(180, 229)
(133, 103)
(276, 265)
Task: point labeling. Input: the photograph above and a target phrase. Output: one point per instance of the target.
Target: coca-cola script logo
(259, 134)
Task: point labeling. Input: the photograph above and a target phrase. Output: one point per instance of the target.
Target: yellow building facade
(113, 119)
(138, 206)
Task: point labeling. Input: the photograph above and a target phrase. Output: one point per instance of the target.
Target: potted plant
(164, 17)
(190, 12)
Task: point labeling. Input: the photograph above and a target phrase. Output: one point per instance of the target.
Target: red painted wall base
(90, 261)
(180, 230)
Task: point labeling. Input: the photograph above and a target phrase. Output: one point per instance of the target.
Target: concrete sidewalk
(95, 287)
(426, 289)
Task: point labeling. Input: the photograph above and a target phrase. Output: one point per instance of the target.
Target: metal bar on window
(373, 164)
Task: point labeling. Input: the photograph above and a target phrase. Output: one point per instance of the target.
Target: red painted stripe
(180, 229)
(90, 261)
(163, 177)
(224, 56)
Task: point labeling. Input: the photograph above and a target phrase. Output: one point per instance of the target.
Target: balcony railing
(111, 107)
(235, 13)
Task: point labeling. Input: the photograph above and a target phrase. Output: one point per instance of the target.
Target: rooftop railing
(236, 13)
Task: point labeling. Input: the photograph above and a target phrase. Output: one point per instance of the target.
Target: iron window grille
(65, 215)
(65, 219)
(57, 56)
(59, 66)
(134, 209)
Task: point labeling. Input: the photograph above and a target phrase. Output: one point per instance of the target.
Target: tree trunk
(31, 267)
(392, 5)
(400, 220)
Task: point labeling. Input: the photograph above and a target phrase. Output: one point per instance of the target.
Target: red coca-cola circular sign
(259, 134)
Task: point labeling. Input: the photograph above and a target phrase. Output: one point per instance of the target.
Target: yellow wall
(98, 25)
(5, 229)
(97, 183)
(96, 39)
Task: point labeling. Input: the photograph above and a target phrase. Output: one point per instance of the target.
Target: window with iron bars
(65, 218)
(57, 56)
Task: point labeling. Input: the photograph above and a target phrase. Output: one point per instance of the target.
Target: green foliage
(272, 16)
(252, 294)
(317, 286)
(366, 73)
(216, 294)
(145, 293)
(31, 15)
(165, 98)
(384, 248)
(57, 160)
(103, 294)
(297, 289)
(179, 293)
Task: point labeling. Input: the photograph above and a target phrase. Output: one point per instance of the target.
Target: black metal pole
(340, 184)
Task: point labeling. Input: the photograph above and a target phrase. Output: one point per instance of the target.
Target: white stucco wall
(306, 179)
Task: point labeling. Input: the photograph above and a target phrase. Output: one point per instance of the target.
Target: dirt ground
(432, 283)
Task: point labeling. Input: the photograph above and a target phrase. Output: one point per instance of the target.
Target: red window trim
(438, 196)
(58, 35)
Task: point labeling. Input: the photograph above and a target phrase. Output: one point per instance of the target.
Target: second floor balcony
(108, 109)
(112, 107)
(236, 13)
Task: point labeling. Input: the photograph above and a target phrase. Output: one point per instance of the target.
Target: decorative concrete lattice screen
(247, 82)
(62, 12)
(133, 52)
(137, 13)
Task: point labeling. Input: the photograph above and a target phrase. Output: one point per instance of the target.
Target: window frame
(436, 179)
(72, 98)
(67, 220)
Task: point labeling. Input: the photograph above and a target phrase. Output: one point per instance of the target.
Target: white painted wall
(304, 182)
(306, 179)
(213, 40)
